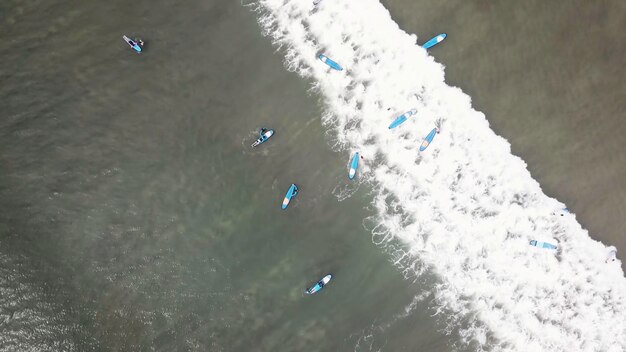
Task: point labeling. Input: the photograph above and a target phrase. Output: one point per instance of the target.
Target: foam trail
(466, 207)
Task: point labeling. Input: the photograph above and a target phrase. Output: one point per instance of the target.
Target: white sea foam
(466, 207)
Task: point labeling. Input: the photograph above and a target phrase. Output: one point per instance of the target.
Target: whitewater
(465, 209)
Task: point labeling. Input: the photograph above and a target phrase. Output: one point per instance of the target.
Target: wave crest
(465, 209)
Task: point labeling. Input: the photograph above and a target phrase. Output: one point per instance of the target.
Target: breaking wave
(466, 208)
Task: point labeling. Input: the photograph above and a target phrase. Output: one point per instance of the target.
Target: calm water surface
(135, 217)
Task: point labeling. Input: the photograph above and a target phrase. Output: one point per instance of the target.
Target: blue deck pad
(319, 285)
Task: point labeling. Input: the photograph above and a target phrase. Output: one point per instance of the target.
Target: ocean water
(549, 79)
(135, 217)
(466, 207)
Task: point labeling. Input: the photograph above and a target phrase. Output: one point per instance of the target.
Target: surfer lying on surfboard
(264, 135)
(136, 44)
(319, 285)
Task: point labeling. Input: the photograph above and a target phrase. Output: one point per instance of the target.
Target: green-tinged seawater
(134, 215)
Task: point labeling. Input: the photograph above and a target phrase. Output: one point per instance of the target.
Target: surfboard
(353, 165)
(263, 138)
(132, 44)
(319, 285)
(542, 244)
(330, 63)
(291, 192)
(428, 139)
(434, 41)
(400, 119)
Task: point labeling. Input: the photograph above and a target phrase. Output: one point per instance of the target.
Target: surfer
(136, 43)
(563, 212)
(264, 135)
(612, 256)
